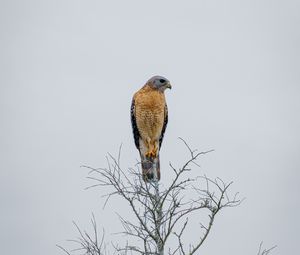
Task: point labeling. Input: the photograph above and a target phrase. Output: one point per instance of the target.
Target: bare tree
(160, 212)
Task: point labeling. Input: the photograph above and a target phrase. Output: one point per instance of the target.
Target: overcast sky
(68, 70)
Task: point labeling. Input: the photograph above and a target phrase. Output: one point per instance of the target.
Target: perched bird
(149, 118)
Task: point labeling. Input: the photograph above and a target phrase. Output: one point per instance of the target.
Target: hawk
(149, 118)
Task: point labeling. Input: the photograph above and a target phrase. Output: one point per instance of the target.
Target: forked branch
(160, 211)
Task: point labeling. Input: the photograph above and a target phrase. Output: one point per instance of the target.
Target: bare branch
(262, 251)
(159, 211)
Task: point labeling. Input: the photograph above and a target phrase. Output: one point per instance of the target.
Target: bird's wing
(164, 125)
(136, 134)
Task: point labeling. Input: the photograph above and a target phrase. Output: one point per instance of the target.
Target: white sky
(68, 70)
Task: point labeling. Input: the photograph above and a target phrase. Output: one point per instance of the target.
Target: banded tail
(150, 168)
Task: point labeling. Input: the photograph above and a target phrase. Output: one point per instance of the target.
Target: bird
(149, 119)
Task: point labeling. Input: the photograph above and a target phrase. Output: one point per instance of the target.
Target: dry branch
(160, 212)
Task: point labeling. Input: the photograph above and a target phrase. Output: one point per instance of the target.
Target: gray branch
(160, 212)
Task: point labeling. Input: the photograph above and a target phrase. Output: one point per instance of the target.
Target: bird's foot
(155, 152)
(152, 154)
(148, 155)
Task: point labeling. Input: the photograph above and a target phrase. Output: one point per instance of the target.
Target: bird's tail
(150, 168)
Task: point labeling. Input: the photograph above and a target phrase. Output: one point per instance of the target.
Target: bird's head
(159, 83)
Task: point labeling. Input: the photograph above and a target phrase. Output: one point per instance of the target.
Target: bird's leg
(149, 146)
(154, 151)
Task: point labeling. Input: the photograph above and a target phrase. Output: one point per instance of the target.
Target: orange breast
(149, 111)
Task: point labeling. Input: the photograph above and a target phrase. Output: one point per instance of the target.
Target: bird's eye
(162, 80)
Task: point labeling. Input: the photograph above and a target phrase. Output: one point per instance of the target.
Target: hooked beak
(169, 86)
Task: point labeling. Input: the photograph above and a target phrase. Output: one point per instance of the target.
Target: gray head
(159, 82)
